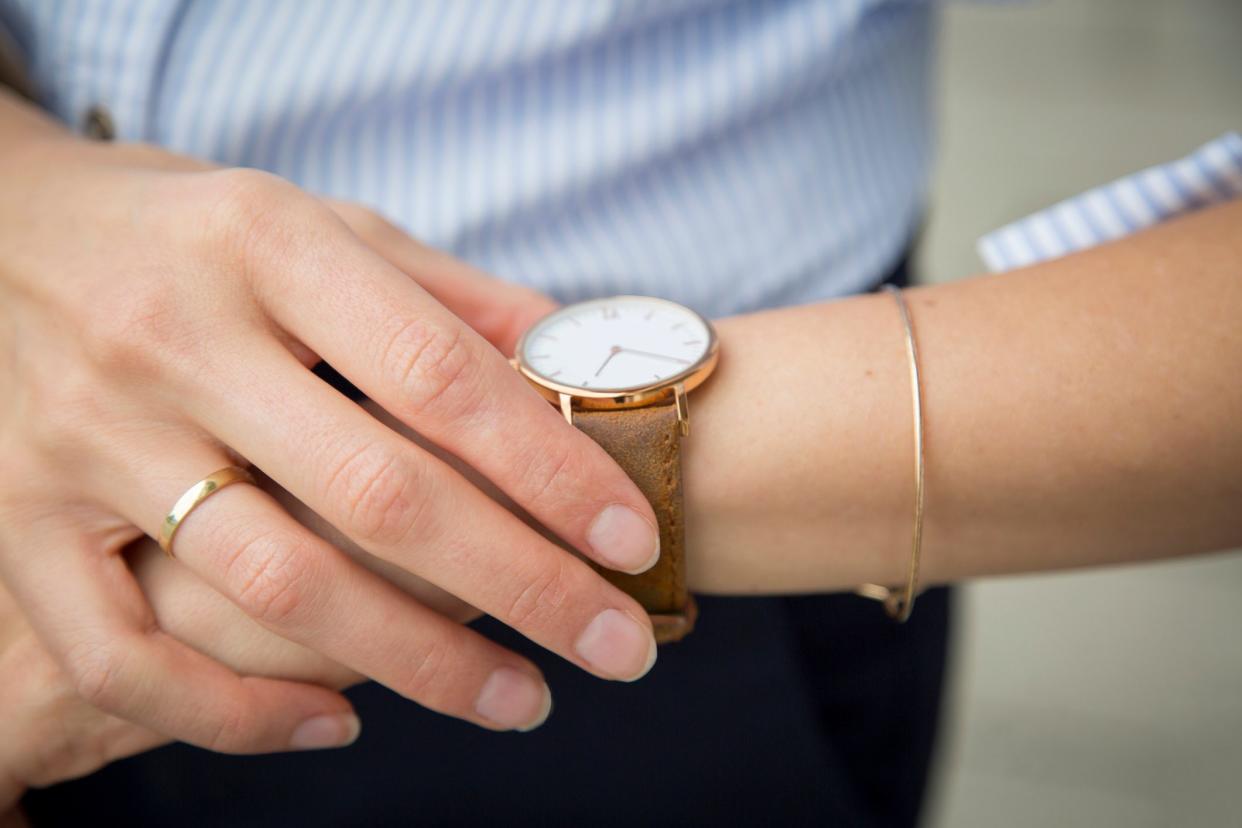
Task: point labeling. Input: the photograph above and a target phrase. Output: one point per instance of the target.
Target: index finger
(431, 371)
(501, 311)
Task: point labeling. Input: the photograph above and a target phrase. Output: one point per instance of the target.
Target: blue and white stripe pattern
(1211, 174)
(726, 154)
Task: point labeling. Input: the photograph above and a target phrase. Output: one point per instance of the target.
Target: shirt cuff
(1209, 175)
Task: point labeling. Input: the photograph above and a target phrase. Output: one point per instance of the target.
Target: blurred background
(1099, 698)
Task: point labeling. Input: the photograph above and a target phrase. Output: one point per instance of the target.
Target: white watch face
(623, 343)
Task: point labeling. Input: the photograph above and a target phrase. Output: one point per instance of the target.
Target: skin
(51, 733)
(1141, 458)
(173, 337)
(1078, 412)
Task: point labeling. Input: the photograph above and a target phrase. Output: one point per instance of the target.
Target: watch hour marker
(613, 344)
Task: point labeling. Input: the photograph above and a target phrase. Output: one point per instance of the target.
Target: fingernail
(624, 539)
(326, 732)
(513, 699)
(615, 644)
(545, 710)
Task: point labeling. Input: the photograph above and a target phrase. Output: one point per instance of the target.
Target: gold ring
(195, 495)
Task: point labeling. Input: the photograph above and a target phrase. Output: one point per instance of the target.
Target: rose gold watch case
(677, 385)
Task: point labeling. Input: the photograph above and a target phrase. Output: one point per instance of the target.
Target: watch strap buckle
(674, 626)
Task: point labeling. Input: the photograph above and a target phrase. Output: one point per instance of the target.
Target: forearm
(1083, 411)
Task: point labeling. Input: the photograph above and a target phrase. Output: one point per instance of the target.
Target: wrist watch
(620, 369)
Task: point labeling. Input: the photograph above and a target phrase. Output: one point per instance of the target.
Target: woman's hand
(47, 733)
(50, 734)
(156, 324)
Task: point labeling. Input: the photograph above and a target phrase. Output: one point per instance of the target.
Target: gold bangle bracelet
(899, 602)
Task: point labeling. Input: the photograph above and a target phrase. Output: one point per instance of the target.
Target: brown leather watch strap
(646, 442)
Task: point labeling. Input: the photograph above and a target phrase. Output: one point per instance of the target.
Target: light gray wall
(1111, 697)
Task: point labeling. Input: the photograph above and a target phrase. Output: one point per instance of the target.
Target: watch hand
(612, 352)
(657, 356)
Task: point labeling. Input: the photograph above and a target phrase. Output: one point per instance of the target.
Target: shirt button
(97, 124)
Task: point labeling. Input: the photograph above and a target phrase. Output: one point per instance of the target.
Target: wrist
(797, 474)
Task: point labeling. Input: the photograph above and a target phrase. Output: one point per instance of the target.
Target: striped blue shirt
(728, 155)
(1209, 175)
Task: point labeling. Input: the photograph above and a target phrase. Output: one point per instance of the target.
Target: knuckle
(429, 671)
(270, 575)
(247, 213)
(380, 493)
(540, 601)
(64, 737)
(232, 731)
(549, 472)
(432, 367)
(96, 671)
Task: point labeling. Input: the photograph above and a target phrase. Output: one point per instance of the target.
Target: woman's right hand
(157, 321)
(49, 734)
